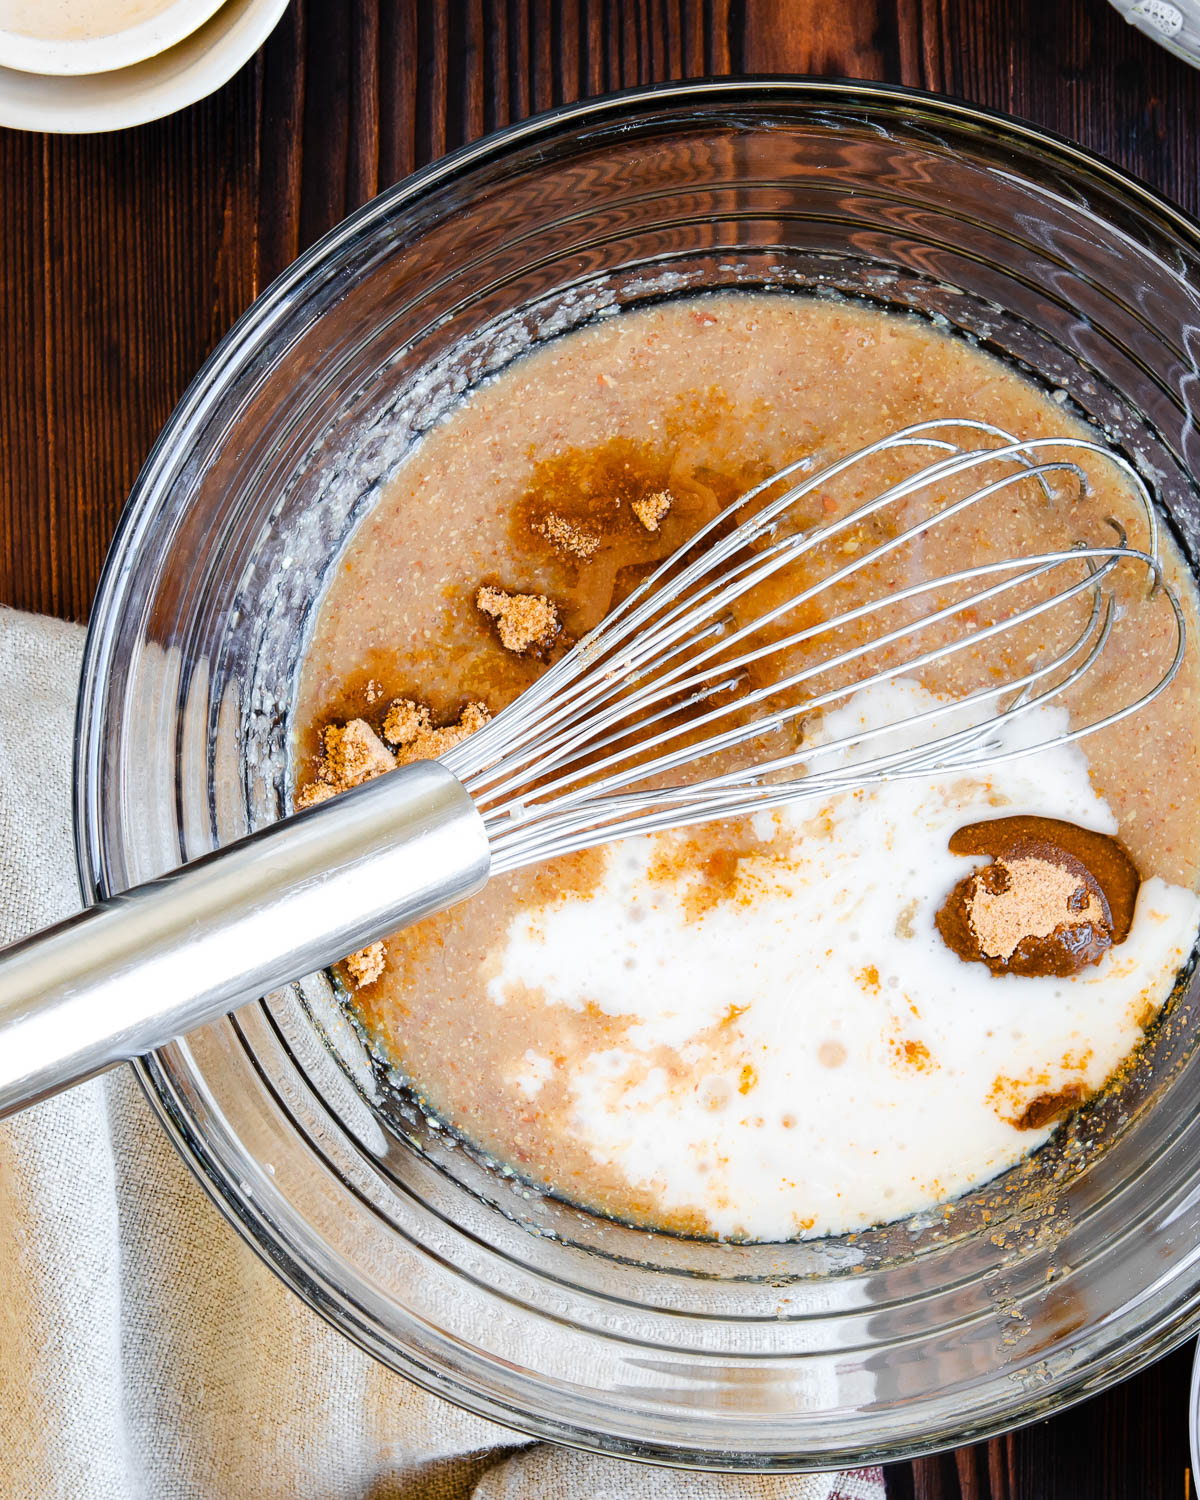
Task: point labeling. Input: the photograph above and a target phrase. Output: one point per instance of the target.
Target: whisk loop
(674, 676)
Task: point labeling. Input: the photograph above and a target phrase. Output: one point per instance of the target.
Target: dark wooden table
(124, 258)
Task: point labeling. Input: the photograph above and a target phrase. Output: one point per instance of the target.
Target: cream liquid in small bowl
(94, 36)
(753, 1031)
(77, 20)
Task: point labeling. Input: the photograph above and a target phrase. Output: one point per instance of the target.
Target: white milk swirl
(806, 1056)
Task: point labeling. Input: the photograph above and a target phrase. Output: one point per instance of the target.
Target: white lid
(1174, 23)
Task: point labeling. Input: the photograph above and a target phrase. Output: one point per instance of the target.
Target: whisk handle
(134, 971)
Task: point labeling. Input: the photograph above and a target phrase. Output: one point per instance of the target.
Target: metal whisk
(721, 665)
(579, 758)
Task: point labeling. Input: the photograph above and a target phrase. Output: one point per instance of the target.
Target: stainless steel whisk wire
(568, 764)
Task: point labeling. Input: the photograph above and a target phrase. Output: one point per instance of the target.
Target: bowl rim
(1174, 1324)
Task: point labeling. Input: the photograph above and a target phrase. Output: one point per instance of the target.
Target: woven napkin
(145, 1352)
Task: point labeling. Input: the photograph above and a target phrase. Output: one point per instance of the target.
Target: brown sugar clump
(1029, 898)
(1055, 898)
(366, 966)
(317, 791)
(567, 536)
(406, 722)
(650, 509)
(353, 754)
(1028, 913)
(523, 620)
(350, 754)
(409, 726)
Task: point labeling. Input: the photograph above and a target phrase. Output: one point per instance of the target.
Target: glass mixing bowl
(1063, 1276)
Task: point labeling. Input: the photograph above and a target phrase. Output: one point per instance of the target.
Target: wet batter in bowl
(816, 1019)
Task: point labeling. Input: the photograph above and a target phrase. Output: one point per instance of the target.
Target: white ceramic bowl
(120, 48)
(79, 104)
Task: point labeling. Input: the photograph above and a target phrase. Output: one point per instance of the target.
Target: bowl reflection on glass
(1067, 1273)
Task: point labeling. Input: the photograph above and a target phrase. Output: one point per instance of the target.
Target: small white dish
(123, 32)
(82, 104)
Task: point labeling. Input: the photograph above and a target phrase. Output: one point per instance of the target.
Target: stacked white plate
(177, 54)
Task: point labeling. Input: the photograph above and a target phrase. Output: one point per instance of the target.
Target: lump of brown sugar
(651, 509)
(567, 536)
(365, 966)
(316, 791)
(1055, 898)
(523, 620)
(409, 726)
(1020, 899)
(352, 754)
(406, 722)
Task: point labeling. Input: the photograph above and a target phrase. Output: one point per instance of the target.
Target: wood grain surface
(124, 258)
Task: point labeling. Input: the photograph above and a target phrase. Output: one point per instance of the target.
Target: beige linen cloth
(145, 1352)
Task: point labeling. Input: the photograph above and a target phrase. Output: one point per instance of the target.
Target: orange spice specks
(718, 865)
(909, 1052)
(747, 1078)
